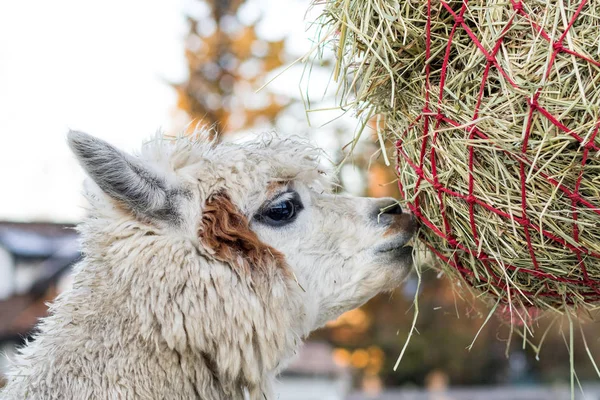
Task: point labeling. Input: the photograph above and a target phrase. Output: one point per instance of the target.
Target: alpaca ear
(123, 177)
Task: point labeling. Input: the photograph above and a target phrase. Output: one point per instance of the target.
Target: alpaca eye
(281, 212)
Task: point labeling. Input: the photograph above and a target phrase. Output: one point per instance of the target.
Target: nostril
(393, 209)
(385, 210)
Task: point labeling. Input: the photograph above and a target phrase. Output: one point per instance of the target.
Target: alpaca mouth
(396, 249)
(399, 252)
(388, 247)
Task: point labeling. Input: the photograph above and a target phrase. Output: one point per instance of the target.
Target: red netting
(432, 117)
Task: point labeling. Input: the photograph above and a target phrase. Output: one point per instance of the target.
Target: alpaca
(205, 265)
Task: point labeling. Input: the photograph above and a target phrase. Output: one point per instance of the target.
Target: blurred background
(122, 70)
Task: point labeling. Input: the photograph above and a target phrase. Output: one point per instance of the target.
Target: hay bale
(494, 110)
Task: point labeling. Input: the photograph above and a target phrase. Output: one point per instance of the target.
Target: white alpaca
(204, 267)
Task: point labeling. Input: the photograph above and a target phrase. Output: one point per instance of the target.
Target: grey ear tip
(74, 137)
(81, 142)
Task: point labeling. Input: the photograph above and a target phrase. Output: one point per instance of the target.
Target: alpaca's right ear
(124, 177)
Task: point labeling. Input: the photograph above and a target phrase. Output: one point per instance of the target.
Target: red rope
(430, 118)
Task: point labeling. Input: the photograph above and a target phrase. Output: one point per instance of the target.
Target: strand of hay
(494, 109)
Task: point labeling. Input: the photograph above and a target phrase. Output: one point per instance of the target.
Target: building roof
(37, 240)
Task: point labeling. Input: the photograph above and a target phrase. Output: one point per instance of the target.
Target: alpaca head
(264, 212)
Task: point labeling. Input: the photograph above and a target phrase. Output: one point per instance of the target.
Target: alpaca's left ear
(124, 177)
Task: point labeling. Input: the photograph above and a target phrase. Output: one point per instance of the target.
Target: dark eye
(281, 212)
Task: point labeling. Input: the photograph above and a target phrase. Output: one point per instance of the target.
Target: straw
(494, 110)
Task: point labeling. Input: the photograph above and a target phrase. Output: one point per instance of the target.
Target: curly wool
(181, 293)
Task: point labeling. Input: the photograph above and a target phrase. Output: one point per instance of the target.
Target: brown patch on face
(227, 232)
(402, 223)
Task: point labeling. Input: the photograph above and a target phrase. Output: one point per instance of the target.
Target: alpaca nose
(388, 212)
(392, 209)
(385, 210)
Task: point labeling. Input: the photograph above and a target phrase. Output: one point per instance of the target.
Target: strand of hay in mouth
(493, 107)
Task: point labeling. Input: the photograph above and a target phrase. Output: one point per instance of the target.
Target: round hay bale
(493, 107)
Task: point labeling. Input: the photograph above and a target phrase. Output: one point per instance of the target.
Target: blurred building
(35, 259)
(314, 375)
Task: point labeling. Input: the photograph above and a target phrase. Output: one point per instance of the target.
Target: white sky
(101, 67)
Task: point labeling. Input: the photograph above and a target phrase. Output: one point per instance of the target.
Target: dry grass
(382, 68)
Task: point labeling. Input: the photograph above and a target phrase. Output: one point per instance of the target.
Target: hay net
(494, 110)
